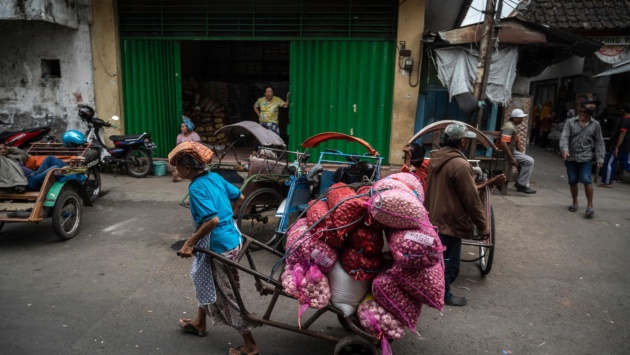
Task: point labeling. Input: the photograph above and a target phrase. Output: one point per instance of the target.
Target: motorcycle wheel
(92, 183)
(139, 162)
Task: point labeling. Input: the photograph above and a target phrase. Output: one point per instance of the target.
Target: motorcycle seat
(129, 137)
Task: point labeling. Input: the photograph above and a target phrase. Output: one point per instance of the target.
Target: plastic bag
(346, 292)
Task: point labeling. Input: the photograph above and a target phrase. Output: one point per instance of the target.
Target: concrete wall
(54, 11)
(26, 98)
(410, 29)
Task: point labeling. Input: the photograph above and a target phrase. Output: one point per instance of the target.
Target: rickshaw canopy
(441, 125)
(315, 140)
(263, 135)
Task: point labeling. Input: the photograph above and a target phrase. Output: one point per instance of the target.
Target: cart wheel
(139, 162)
(355, 345)
(92, 184)
(66, 214)
(257, 216)
(486, 254)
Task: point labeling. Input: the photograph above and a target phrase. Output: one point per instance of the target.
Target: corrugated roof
(593, 15)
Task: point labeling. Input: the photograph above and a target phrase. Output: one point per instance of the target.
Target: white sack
(346, 292)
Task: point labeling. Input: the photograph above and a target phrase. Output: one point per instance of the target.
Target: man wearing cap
(581, 141)
(453, 201)
(517, 157)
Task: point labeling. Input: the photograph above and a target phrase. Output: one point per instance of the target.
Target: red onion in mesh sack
(368, 220)
(313, 286)
(411, 181)
(424, 285)
(390, 184)
(414, 248)
(368, 241)
(388, 294)
(304, 249)
(346, 215)
(377, 320)
(397, 208)
(288, 282)
(316, 210)
(298, 231)
(360, 266)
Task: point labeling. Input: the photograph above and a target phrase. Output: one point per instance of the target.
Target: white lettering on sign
(612, 40)
(419, 238)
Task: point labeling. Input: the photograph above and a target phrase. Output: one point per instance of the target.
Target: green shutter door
(342, 86)
(152, 91)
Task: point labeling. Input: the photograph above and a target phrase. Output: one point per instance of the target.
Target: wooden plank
(14, 206)
(27, 196)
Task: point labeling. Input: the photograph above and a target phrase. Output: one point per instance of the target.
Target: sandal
(589, 212)
(187, 327)
(608, 186)
(573, 208)
(239, 351)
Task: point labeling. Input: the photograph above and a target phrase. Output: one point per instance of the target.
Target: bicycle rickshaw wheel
(355, 345)
(66, 215)
(257, 216)
(486, 254)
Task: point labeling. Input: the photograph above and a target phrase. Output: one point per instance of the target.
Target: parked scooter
(23, 138)
(131, 152)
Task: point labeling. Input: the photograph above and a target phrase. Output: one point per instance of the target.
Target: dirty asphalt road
(559, 283)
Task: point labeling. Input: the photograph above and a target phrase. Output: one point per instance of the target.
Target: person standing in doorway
(453, 202)
(267, 108)
(581, 141)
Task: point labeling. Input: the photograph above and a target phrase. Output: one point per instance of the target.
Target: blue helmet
(73, 139)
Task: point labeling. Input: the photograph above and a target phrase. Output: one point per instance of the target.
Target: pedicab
(485, 247)
(64, 192)
(267, 173)
(303, 185)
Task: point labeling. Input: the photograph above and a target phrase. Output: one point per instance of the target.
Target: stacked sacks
(349, 227)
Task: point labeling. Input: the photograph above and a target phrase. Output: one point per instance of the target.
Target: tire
(257, 216)
(486, 254)
(66, 215)
(139, 162)
(355, 345)
(92, 184)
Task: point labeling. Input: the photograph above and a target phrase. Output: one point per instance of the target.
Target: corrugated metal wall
(152, 91)
(342, 86)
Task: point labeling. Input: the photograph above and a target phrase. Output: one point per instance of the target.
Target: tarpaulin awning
(457, 67)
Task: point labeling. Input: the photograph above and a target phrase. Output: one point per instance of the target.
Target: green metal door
(342, 86)
(152, 91)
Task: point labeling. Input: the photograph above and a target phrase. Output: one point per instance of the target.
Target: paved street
(559, 283)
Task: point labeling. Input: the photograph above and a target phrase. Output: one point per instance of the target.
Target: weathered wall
(410, 29)
(54, 11)
(106, 57)
(26, 98)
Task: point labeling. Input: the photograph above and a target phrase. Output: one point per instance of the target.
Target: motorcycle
(131, 152)
(24, 137)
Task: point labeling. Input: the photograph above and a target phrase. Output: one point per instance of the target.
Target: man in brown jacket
(453, 201)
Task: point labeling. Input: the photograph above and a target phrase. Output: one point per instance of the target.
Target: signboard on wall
(525, 104)
(614, 50)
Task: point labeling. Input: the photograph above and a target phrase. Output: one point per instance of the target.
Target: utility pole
(485, 52)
